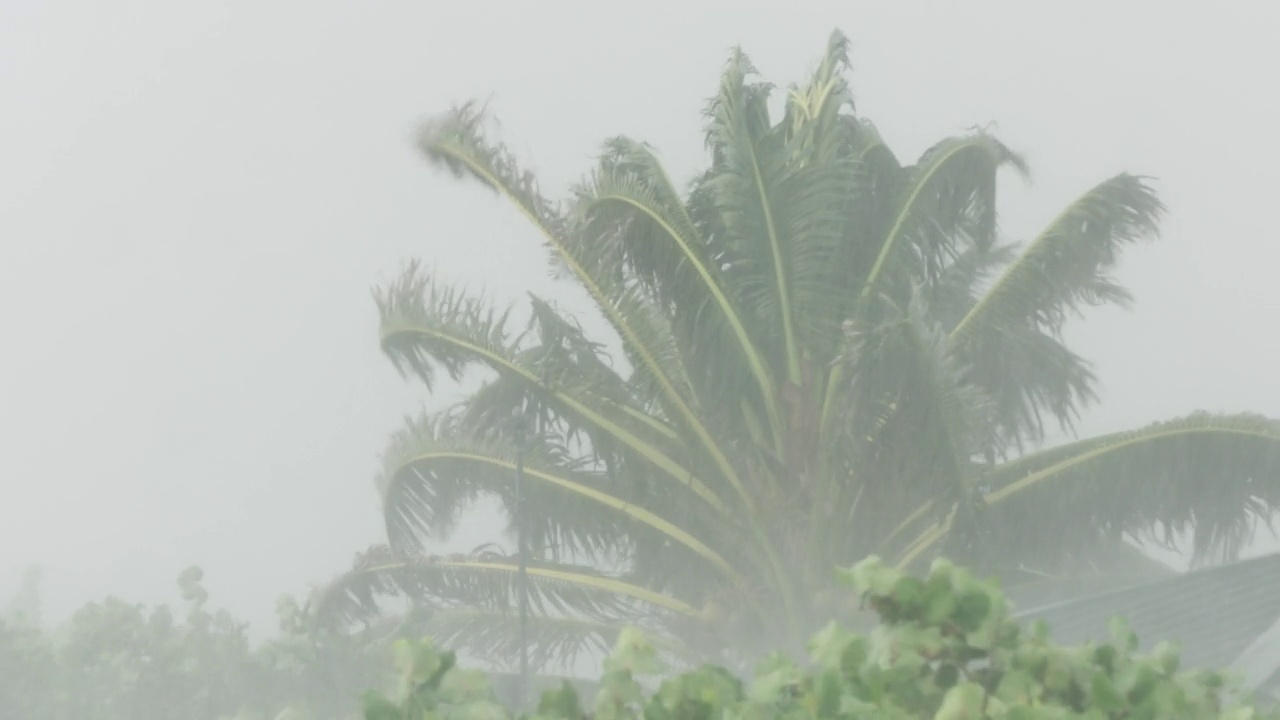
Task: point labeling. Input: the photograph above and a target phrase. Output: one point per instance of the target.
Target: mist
(197, 198)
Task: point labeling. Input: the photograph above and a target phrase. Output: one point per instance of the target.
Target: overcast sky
(196, 197)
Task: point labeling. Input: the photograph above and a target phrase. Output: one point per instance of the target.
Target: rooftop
(1226, 616)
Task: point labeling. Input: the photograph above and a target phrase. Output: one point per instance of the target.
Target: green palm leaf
(780, 200)
(907, 391)
(738, 135)
(911, 225)
(487, 580)
(435, 469)
(456, 142)
(1212, 476)
(426, 324)
(631, 209)
(1012, 335)
(946, 202)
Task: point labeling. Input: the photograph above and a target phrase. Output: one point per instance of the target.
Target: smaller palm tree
(825, 354)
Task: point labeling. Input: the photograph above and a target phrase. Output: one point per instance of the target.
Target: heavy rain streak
(823, 360)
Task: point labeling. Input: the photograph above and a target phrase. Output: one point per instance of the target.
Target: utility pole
(522, 577)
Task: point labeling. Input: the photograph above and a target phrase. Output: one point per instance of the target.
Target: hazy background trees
(119, 660)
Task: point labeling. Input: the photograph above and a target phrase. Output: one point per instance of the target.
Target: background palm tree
(824, 353)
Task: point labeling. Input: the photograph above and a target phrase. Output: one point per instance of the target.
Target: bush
(945, 648)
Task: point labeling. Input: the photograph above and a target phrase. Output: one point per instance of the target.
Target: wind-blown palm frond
(780, 205)
(945, 203)
(912, 224)
(907, 391)
(1012, 335)
(426, 324)
(631, 210)
(557, 348)
(1210, 476)
(487, 580)
(963, 280)
(435, 467)
(457, 142)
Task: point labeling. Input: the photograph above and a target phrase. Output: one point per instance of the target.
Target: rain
(521, 326)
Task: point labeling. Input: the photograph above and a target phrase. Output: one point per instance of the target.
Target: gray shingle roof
(1215, 613)
(1044, 593)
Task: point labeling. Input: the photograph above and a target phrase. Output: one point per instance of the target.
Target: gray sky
(195, 199)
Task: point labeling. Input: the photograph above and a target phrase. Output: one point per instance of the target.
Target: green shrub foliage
(945, 648)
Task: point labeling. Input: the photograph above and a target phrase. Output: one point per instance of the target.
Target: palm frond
(426, 324)
(869, 212)
(870, 209)
(631, 209)
(780, 205)
(1011, 336)
(960, 283)
(561, 350)
(435, 467)
(457, 141)
(906, 391)
(486, 580)
(1208, 477)
(945, 203)
(913, 225)
(1035, 380)
(815, 113)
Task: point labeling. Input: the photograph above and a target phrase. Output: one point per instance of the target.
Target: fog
(197, 197)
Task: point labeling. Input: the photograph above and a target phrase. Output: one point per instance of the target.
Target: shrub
(945, 648)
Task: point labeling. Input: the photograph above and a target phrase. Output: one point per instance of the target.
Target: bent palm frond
(781, 213)
(486, 580)
(434, 468)
(631, 210)
(1209, 477)
(945, 203)
(930, 408)
(914, 223)
(913, 425)
(1011, 335)
(962, 281)
(457, 141)
(738, 134)
(426, 324)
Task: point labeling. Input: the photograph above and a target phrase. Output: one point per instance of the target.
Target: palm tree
(824, 354)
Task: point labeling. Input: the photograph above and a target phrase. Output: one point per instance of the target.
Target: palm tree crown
(825, 353)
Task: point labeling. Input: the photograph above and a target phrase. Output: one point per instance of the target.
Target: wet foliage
(945, 648)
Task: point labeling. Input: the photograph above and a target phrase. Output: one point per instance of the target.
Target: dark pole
(523, 575)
